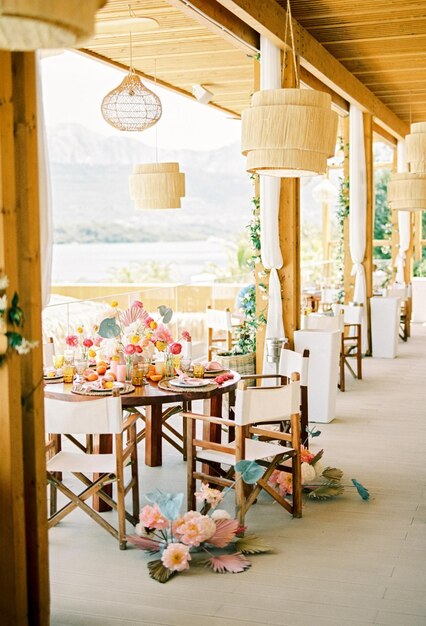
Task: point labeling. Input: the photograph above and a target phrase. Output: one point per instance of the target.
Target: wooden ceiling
(181, 52)
(382, 42)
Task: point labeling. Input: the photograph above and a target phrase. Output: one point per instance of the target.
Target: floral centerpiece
(216, 541)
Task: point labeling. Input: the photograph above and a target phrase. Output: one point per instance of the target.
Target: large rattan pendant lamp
(407, 190)
(33, 24)
(289, 132)
(131, 106)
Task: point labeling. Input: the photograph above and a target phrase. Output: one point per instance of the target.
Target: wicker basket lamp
(131, 105)
(157, 186)
(33, 24)
(415, 144)
(289, 132)
(407, 191)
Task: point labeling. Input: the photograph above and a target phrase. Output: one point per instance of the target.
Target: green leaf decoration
(16, 314)
(363, 492)
(317, 457)
(250, 471)
(333, 474)
(313, 432)
(168, 503)
(158, 572)
(252, 544)
(14, 339)
(109, 328)
(325, 492)
(166, 313)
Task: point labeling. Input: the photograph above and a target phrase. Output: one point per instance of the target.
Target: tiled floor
(346, 563)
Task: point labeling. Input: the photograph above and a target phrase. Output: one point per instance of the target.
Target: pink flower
(305, 455)
(285, 483)
(186, 335)
(71, 340)
(87, 343)
(151, 517)
(137, 304)
(148, 321)
(209, 495)
(97, 341)
(176, 557)
(162, 333)
(176, 348)
(129, 349)
(194, 528)
(138, 349)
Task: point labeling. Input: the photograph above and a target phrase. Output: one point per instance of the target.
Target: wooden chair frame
(351, 333)
(126, 453)
(245, 498)
(225, 341)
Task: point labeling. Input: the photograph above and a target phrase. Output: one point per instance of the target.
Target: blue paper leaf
(250, 471)
(168, 503)
(313, 433)
(166, 313)
(109, 328)
(363, 492)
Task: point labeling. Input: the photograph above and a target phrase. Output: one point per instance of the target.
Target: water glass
(185, 365)
(68, 373)
(58, 361)
(199, 370)
(80, 366)
(139, 372)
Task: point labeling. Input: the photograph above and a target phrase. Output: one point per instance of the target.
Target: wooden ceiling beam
(383, 133)
(314, 83)
(269, 18)
(221, 21)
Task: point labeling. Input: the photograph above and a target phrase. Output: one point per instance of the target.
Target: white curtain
(404, 221)
(270, 78)
(45, 196)
(358, 208)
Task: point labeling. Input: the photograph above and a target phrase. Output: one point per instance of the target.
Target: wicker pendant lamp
(415, 144)
(407, 191)
(289, 132)
(157, 186)
(33, 24)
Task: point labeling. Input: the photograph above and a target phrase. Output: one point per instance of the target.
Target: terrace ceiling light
(157, 186)
(34, 24)
(407, 191)
(415, 146)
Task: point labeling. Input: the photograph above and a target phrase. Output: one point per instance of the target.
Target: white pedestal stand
(385, 314)
(419, 299)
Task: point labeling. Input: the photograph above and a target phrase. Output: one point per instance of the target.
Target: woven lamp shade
(157, 186)
(407, 191)
(33, 24)
(289, 132)
(415, 146)
(131, 105)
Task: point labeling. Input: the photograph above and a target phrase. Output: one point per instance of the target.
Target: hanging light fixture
(407, 191)
(131, 105)
(289, 132)
(157, 186)
(34, 24)
(415, 145)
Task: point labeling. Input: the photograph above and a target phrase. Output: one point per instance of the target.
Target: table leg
(212, 432)
(153, 437)
(102, 444)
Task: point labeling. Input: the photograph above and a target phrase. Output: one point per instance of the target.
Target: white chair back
(324, 322)
(101, 416)
(397, 291)
(266, 404)
(291, 361)
(218, 320)
(48, 353)
(328, 296)
(352, 313)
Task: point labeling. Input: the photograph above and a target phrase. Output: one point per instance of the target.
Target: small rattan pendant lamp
(289, 132)
(34, 24)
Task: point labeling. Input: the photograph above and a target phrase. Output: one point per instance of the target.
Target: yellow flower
(148, 335)
(114, 304)
(153, 325)
(92, 353)
(95, 328)
(80, 330)
(161, 345)
(135, 339)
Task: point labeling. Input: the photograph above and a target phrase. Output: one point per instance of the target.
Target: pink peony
(162, 333)
(176, 557)
(87, 343)
(97, 341)
(151, 517)
(176, 348)
(137, 304)
(186, 335)
(285, 482)
(138, 349)
(209, 495)
(71, 340)
(129, 349)
(194, 528)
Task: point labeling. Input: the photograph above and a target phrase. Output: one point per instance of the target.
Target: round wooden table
(153, 398)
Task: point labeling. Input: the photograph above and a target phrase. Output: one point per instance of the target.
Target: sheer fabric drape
(404, 221)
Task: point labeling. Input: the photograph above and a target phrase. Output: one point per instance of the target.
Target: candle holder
(274, 346)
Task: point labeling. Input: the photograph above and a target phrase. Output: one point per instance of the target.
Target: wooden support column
(289, 234)
(23, 531)
(368, 255)
(418, 215)
(348, 279)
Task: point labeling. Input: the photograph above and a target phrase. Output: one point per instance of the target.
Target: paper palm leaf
(158, 572)
(333, 474)
(226, 529)
(252, 545)
(144, 543)
(363, 492)
(232, 563)
(325, 492)
(317, 457)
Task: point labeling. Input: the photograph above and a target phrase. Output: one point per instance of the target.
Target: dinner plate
(53, 378)
(191, 383)
(215, 371)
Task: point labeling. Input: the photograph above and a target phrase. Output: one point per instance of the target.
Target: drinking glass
(68, 373)
(139, 372)
(80, 366)
(199, 370)
(58, 361)
(185, 365)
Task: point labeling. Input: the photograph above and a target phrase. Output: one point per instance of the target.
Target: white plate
(193, 383)
(215, 371)
(53, 378)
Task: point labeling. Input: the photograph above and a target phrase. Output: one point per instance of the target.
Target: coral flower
(305, 455)
(176, 557)
(209, 495)
(87, 343)
(186, 335)
(285, 482)
(151, 517)
(194, 528)
(129, 349)
(176, 348)
(72, 341)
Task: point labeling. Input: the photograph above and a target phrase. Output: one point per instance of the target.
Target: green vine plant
(341, 215)
(12, 316)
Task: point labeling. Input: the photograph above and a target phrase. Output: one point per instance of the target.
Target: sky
(74, 86)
